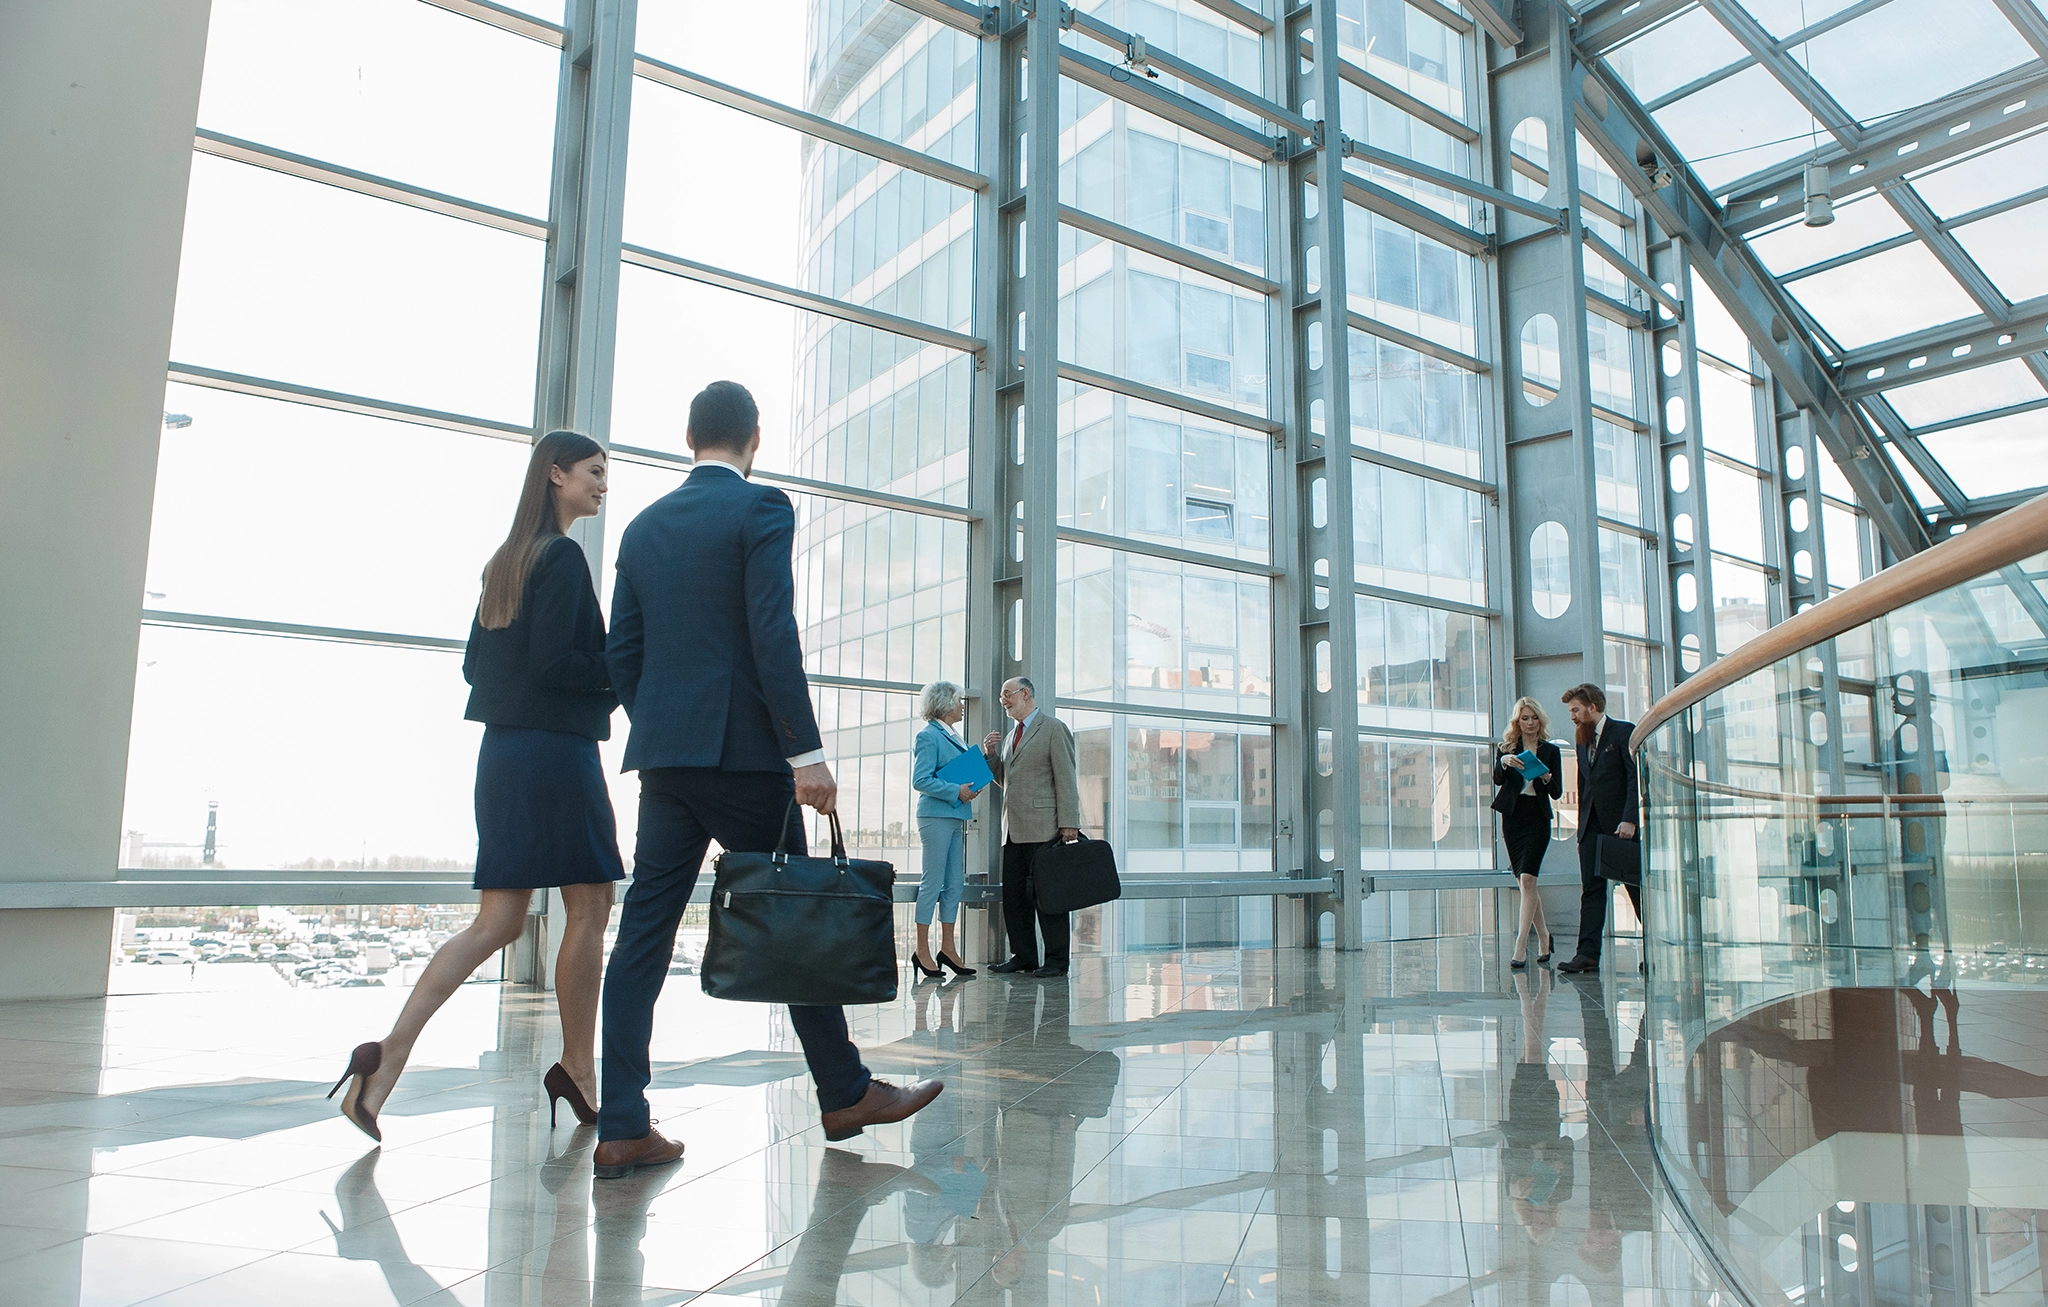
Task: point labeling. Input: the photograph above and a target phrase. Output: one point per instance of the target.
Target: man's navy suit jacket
(1607, 781)
(703, 649)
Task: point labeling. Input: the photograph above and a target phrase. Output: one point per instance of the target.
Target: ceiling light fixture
(1820, 205)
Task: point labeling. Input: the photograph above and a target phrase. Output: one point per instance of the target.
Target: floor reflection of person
(1537, 1162)
(938, 1222)
(848, 1187)
(958, 1177)
(1618, 1101)
(366, 1233)
(1034, 1172)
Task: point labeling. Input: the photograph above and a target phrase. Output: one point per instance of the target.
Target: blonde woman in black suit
(1524, 807)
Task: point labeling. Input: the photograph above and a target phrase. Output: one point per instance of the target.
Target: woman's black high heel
(960, 969)
(932, 973)
(1517, 964)
(1549, 946)
(362, 1064)
(560, 1085)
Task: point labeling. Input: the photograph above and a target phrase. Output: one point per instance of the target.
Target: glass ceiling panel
(1977, 391)
(1681, 51)
(1885, 295)
(1782, 18)
(1737, 126)
(1910, 52)
(1991, 458)
(1858, 223)
(2010, 249)
(1986, 178)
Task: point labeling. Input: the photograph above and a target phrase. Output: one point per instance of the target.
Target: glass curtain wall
(1421, 471)
(832, 221)
(852, 396)
(363, 522)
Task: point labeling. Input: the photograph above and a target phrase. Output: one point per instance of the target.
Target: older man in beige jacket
(1034, 761)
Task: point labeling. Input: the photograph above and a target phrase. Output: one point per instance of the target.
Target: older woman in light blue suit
(942, 811)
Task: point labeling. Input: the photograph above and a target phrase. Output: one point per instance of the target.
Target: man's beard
(1585, 735)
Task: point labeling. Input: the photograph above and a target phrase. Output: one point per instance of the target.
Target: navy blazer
(1607, 781)
(704, 651)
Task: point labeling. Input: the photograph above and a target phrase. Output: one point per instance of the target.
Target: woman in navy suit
(1524, 808)
(942, 811)
(539, 684)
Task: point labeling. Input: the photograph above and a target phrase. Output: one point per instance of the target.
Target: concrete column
(98, 101)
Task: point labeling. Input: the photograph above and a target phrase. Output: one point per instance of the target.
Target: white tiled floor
(1227, 1127)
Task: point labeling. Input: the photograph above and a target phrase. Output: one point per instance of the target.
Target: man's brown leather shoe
(617, 1157)
(882, 1104)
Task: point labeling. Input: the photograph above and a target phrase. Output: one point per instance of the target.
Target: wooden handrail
(1791, 798)
(2013, 535)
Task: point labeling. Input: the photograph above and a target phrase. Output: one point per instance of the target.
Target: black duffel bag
(1072, 876)
(786, 928)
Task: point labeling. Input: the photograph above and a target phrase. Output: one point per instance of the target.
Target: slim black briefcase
(1069, 877)
(1620, 860)
(785, 928)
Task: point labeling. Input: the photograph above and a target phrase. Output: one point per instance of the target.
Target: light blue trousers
(945, 867)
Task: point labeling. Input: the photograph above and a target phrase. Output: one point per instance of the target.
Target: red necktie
(1017, 738)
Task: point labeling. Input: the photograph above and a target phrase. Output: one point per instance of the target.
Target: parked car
(282, 957)
(162, 957)
(234, 956)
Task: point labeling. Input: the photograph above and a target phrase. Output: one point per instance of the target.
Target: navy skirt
(543, 816)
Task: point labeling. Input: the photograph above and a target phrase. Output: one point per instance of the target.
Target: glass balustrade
(1848, 944)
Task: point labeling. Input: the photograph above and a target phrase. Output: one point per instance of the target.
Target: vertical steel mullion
(1551, 467)
(580, 306)
(586, 216)
(1794, 429)
(1327, 548)
(1671, 265)
(1649, 396)
(1488, 317)
(1039, 484)
(1294, 919)
(1578, 364)
(987, 536)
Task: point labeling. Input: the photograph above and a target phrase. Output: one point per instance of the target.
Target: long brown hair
(535, 526)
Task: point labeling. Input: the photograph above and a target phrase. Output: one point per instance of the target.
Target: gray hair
(936, 698)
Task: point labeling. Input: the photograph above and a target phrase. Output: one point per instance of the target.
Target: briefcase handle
(781, 854)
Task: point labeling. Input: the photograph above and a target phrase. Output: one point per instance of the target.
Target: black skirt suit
(1525, 817)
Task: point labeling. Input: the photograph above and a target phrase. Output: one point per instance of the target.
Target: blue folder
(1532, 766)
(970, 768)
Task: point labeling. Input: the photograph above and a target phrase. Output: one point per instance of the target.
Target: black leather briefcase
(820, 932)
(1069, 877)
(1620, 860)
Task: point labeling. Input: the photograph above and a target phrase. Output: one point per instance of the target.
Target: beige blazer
(1040, 792)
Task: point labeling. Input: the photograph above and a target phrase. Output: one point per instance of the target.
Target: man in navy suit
(704, 655)
(1607, 806)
